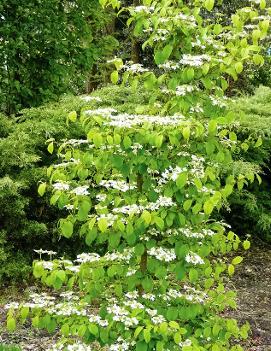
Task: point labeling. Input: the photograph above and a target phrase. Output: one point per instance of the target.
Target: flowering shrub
(143, 187)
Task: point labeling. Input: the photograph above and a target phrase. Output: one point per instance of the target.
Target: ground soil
(252, 282)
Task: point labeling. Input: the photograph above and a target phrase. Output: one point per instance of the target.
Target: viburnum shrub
(142, 188)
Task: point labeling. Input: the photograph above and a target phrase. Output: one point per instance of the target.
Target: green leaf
(159, 222)
(187, 204)
(114, 77)
(84, 208)
(146, 216)
(231, 269)
(72, 116)
(239, 67)
(102, 224)
(93, 329)
(11, 324)
(97, 139)
(24, 312)
(141, 346)
(237, 260)
(66, 228)
(246, 245)
(182, 180)
(259, 142)
(186, 133)
(50, 148)
(41, 189)
(208, 207)
(162, 56)
(65, 329)
(138, 331)
(147, 335)
(209, 4)
(193, 275)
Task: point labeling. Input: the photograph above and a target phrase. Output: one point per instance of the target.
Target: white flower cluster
(126, 120)
(91, 98)
(121, 314)
(197, 166)
(162, 201)
(193, 258)
(162, 254)
(145, 9)
(187, 342)
(194, 60)
(181, 90)
(72, 162)
(161, 35)
(47, 265)
(101, 197)
(69, 308)
(81, 190)
(107, 111)
(136, 147)
(75, 142)
(190, 294)
(188, 19)
(218, 101)
(171, 174)
(61, 186)
(189, 233)
(117, 184)
(98, 320)
(184, 89)
(126, 255)
(134, 68)
(78, 346)
(47, 252)
(109, 217)
(170, 66)
(40, 301)
(122, 345)
(149, 296)
(196, 109)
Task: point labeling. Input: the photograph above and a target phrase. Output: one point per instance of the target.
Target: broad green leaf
(182, 180)
(103, 224)
(11, 324)
(66, 228)
(41, 189)
(114, 77)
(50, 148)
(209, 4)
(237, 260)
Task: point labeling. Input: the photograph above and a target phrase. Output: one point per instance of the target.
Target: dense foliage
(141, 190)
(253, 203)
(49, 47)
(23, 161)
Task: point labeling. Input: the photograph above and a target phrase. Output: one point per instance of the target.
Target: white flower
(61, 186)
(146, 9)
(47, 265)
(80, 190)
(91, 98)
(118, 185)
(158, 319)
(101, 197)
(193, 258)
(194, 60)
(162, 254)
